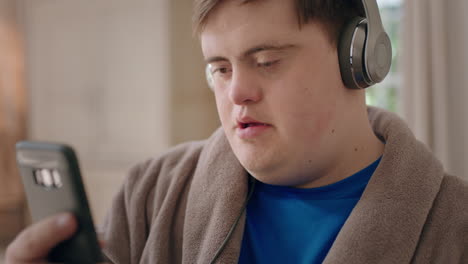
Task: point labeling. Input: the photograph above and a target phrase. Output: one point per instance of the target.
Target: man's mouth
(249, 128)
(253, 124)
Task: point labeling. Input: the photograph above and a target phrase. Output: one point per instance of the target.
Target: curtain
(434, 64)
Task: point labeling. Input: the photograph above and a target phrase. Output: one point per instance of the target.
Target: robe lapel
(218, 191)
(385, 225)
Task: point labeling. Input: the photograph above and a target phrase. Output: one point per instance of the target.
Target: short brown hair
(331, 14)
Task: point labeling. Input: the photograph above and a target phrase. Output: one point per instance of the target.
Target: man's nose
(244, 88)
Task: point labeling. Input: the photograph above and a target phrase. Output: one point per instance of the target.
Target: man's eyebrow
(252, 51)
(259, 48)
(215, 59)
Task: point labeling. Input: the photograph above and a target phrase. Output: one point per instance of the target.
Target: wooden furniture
(12, 121)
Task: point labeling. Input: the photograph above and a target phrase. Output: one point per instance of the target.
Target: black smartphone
(53, 184)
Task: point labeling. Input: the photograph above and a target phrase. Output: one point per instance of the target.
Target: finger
(101, 239)
(35, 242)
(102, 243)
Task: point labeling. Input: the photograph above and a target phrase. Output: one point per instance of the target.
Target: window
(385, 94)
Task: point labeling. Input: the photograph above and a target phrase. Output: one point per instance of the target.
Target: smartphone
(53, 184)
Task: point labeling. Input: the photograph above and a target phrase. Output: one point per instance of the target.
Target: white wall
(98, 79)
(98, 76)
(193, 113)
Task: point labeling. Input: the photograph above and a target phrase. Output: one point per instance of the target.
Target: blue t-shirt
(290, 225)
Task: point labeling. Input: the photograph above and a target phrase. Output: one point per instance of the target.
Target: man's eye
(222, 70)
(267, 63)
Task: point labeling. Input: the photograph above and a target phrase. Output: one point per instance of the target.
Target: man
(301, 172)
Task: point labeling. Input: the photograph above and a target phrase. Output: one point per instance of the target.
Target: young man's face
(278, 89)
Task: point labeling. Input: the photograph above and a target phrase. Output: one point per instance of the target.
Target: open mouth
(250, 128)
(247, 125)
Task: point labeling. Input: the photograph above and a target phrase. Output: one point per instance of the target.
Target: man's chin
(256, 158)
(270, 179)
(279, 180)
(261, 171)
(254, 168)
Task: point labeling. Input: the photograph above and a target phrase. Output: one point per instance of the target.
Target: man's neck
(360, 149)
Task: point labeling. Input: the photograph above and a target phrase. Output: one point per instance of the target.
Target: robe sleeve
(126, 225)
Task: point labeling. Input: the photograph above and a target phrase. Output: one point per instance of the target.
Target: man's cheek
(309, 123)
(222, 107)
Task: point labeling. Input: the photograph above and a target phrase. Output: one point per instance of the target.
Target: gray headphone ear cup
(209, 77)
(352, 61)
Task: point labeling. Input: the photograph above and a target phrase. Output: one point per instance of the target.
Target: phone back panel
(52, 181)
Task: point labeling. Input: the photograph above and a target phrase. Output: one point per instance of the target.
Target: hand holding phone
(53, 185)
(35, 242)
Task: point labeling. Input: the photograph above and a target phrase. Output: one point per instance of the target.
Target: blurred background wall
(119, 80)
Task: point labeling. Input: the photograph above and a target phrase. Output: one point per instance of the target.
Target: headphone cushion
(345, 56)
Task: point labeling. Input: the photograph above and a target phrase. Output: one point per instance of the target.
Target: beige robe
(179, 207)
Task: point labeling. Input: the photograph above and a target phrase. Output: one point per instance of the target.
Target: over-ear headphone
(364, 49)
(209, 77)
